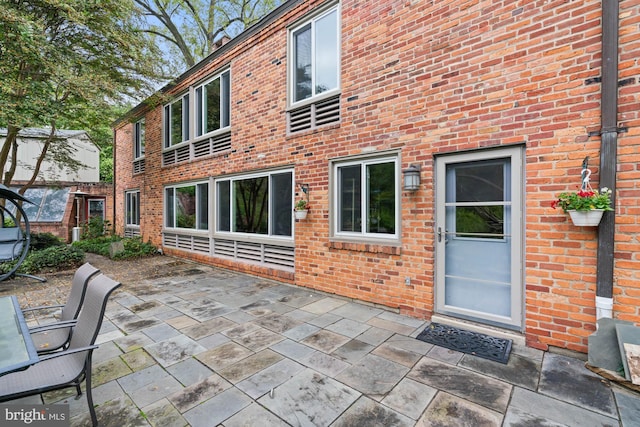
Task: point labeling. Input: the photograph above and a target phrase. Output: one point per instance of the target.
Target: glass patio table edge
(17, 350)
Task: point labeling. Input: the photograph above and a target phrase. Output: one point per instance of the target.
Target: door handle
(439, 234)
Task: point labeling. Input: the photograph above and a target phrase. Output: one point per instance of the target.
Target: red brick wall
(426, 78)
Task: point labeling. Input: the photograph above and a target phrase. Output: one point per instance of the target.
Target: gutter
(608, 155)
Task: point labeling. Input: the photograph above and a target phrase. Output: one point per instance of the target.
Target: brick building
(494, 103)
(64, 197)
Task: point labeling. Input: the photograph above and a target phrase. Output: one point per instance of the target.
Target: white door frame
(516, 155)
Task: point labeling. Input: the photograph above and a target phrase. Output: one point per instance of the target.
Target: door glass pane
(186, 207)
(350, 197)
(251, 205)
(484, 220)
(302, 61)
(480, 181)
(326, 57)
(381, 198)
(224, 206)
(281, 205)
(96, 208)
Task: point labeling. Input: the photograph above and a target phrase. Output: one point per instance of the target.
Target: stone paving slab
(276, 374)
(450, 410)
(217, 409)
(368, 412)
(198, 393)
(410, 397)
(373, 375)
(519, 370)
(529, 408)
(250, 366)
(567, 379)
(325, 341)
(463, 383)
(309, 399)
(174, 349)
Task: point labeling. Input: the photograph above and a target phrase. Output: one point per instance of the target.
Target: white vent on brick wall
(186, 242)
(205, 147)
(131, 232)
(282, 257)
(212, 145)
(315, 115)
(176, 155)
(138, 166)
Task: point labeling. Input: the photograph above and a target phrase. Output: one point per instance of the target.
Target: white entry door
(479, 236)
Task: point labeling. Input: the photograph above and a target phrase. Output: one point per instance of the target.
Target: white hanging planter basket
(586, 218)
(301, 214)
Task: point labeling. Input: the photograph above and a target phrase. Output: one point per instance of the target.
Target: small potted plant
(301, 209)
(585, 206)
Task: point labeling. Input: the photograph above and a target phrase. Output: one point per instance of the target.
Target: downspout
(113, 177)
(608, 155)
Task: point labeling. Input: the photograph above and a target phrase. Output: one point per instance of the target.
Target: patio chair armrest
(42, 307)
(67, 352)
(52, 326)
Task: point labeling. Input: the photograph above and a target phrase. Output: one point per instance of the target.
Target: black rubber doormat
(480, 345)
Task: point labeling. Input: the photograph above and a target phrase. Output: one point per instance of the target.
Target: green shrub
(54, 258)
(44, 240)
(133, 247)
(136, 248)
(96, 245)
(96, 227)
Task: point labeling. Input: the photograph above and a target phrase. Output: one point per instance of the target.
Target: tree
(67, 62)
(188, 29)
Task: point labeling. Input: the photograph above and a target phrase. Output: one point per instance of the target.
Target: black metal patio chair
(46, 339)
(66, 368)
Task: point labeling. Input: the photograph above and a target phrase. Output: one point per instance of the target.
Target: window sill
(376, 248)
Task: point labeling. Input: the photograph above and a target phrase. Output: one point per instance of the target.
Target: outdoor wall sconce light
(411, 178)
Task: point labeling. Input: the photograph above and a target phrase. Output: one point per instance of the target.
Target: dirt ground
(32, 293)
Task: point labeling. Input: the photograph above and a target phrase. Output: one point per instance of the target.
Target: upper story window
(213, 104)
(132, 208)
(315, 50)
(138, 139)
(366, 201)
(187, 206)
(256, 204)
(176, 121)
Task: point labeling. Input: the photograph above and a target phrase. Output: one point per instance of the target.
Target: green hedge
(133, 247)
(53, 258)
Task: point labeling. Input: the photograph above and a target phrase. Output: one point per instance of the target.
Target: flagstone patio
(207, 347)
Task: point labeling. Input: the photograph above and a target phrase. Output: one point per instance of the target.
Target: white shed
(74, 143)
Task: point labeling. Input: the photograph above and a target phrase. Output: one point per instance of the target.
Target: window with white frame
(315, 50)
(213, 104)
(366, 201)
(138, 139)
(176, 121)
(256, 204)
(187, 206)
(132, 208)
